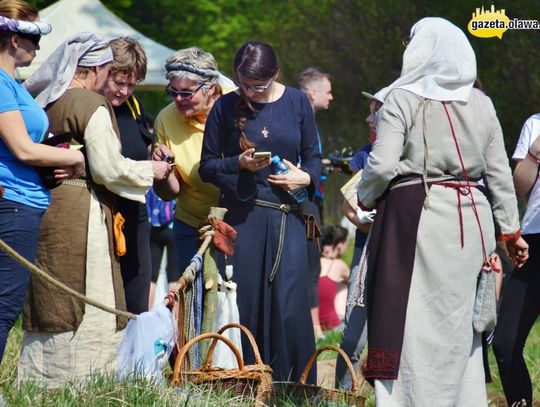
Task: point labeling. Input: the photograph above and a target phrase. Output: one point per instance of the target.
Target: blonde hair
(129, 57)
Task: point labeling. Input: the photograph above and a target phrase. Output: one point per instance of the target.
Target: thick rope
(42, 274)
(186, 278)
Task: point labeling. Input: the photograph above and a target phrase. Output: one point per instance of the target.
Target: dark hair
(19, 10)
(258, 61)
(332, 235)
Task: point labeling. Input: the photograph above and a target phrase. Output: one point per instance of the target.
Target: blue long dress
(276, 312)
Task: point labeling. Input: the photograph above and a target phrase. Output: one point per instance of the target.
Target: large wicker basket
(253, 381)
(302, 394)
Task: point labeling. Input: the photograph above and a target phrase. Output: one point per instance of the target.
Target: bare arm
(13, 133)
(525, 175)
(350, 214)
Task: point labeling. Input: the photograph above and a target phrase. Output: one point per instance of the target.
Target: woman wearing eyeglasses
(128, 69)
(23, 125)
(270, 263)
(194, 85)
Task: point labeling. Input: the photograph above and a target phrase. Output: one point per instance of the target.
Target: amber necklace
(265, 132)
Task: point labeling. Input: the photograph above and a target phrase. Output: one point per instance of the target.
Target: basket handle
(249, 335)
(313, 358)
(177, 377)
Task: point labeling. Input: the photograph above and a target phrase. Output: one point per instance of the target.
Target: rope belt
(285, 209)
(460, 185)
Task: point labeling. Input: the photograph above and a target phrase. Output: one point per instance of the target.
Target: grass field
(101, 390)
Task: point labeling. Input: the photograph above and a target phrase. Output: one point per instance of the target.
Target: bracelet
(533, 157)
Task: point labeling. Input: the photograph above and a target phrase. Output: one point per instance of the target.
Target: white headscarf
(438, 63)
(53, 77)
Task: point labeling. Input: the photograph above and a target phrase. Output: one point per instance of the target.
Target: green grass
(100, 390)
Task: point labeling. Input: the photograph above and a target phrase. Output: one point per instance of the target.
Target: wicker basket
(245, 381)
(303, 394)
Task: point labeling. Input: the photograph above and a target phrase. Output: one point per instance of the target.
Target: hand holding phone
(262, 154)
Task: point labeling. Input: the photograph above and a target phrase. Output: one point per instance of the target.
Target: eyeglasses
(184, 94)
(257, 88)
(34, 38)
(406, 40)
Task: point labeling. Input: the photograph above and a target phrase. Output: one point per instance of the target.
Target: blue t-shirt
(21, 181)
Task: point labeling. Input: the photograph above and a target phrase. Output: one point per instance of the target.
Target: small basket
(303, 394)
(244, 381)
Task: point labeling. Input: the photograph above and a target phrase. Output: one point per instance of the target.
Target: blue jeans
(19, 228)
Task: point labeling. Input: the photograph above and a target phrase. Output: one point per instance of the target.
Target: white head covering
(439, 63)
(53, 77)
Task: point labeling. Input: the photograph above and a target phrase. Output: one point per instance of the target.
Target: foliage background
(358, 41)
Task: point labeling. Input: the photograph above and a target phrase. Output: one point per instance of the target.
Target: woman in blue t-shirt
(23, 125)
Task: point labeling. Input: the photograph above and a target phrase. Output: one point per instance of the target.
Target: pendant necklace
(79, 82)
(265, 132)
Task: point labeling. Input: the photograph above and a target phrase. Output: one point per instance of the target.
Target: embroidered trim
(382, 360)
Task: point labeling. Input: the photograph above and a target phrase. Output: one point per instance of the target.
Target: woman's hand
(162, 153)
(248, 162)
(78, 170)
(162, 170)
(294, 179)
(518, 251)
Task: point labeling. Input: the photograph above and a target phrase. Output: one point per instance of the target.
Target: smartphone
(262, 154)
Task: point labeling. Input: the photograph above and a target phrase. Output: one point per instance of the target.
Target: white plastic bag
(227, 312)
(147, 344)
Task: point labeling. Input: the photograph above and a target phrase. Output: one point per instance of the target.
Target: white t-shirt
(531, 130)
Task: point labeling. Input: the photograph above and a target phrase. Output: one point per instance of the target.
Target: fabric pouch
(47, 173)
(485, 303)
(119, 238)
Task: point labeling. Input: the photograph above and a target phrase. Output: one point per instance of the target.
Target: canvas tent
(69, 17)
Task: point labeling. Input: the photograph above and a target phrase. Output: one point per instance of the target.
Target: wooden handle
(247, 332)
(313, 358)
(177, 377)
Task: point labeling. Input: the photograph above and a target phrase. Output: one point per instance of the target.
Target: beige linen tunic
(57, 358)
(441, 357)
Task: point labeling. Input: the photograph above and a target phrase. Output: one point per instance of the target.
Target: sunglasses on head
(184, 94)
(34, 38)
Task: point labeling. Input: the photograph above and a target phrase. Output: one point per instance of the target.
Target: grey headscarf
(53, 77)
(24, 27)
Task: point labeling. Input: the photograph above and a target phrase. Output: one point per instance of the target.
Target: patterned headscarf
(24, 27)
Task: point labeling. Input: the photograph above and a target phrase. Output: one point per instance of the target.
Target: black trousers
(520, 308)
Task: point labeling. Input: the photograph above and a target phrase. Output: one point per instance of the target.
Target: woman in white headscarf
(65, 340)
(437, 138)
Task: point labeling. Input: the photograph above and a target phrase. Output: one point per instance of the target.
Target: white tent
(69, 17)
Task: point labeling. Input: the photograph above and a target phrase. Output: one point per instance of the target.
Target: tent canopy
(69, 17)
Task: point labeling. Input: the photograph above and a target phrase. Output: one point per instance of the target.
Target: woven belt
(78, 182)
(285, 209)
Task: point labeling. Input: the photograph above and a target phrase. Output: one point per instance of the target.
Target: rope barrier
(186, 278)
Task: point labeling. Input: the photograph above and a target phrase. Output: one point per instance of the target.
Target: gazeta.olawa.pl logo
(494, 23)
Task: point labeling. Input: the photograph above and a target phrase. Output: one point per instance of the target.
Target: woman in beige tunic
(64, 339)
(437, 138)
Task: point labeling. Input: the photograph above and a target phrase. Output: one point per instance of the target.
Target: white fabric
(147, 344)
(365, 216)
(531, 130)
(54, 76)
(439, 63)
(125, 177)
(226, 313)
(69, 17)
(57, 358)
(25, 27)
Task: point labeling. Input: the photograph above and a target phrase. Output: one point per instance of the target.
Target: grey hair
(193, 64)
